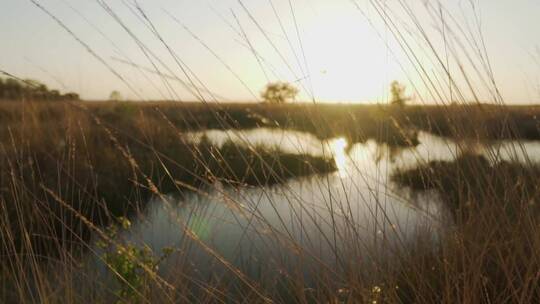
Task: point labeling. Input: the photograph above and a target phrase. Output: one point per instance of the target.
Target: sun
(347, 60)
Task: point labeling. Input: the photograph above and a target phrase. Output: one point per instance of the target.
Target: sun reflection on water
(337, 148)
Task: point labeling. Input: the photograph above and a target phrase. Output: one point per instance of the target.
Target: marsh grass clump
(358, 123)
(488, 252)
(472, 178)
(478, 121)
(259, 165)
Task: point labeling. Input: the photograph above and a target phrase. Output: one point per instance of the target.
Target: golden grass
(67, 169)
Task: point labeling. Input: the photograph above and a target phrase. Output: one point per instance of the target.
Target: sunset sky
(333, 50)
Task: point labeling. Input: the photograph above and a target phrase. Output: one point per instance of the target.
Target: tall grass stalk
(71, 174)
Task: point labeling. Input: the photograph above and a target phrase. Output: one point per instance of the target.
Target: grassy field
(68, 170)
(394, 125)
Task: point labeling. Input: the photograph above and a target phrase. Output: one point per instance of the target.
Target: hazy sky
(333, 50)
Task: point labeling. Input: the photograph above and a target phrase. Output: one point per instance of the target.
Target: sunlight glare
(348, 61)
(337, 148)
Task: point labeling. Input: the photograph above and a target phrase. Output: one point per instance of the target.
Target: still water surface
(354, 216)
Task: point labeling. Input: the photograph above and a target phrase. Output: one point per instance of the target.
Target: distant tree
(397, 92)
(115, 96)
(71, 96)
(14, 89)
(279, 92)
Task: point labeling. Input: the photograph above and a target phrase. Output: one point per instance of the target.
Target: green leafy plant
(129, 262)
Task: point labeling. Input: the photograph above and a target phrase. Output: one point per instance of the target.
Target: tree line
(283, 92)
(13, 89)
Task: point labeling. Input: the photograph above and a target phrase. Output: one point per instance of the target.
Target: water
(354, 214)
